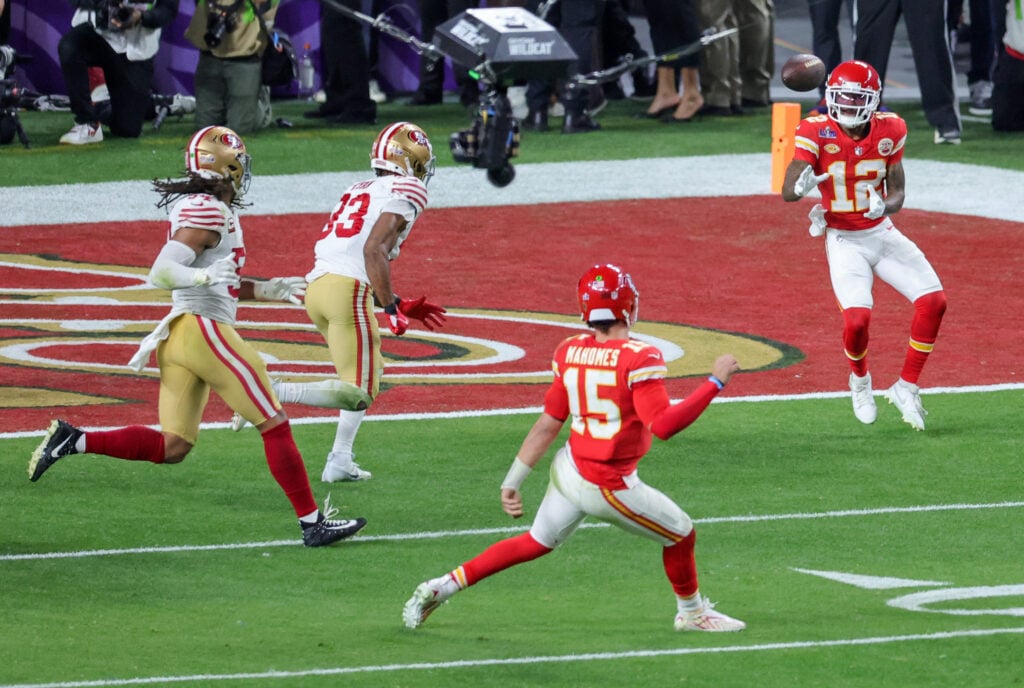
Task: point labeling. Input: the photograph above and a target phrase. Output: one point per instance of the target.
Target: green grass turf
(310, 146)
(286, 608)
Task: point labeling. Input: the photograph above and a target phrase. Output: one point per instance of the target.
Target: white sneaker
(377, 95)
(863, 400)
(339, 469)
(981, 99)
(428, 596)
(82, 134)
(707, 619)
(950, 136)
(907, 398)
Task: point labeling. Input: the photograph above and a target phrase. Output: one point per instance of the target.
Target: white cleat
(707, 619)
(237, 422)
(422, 604)
(863, 400)
(907, 398)
(343, 470)
(83, 134)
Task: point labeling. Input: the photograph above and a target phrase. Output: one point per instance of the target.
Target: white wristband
(516, 475)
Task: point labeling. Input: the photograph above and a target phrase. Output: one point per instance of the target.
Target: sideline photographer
(121, 38)
(231, 40)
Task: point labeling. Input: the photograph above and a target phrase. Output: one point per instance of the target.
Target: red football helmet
(852, 93)
(607, 293)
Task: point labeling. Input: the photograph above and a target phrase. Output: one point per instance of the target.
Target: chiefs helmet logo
(885, 147)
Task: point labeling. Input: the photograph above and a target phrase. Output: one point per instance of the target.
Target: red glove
(431, 315)
(396, 319)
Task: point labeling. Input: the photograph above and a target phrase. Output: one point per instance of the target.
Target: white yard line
(207, 679)
(434, 535)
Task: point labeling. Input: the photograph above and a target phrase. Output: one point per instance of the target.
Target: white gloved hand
(291, 289)
(808, 181)
(224, 271)
(876, 204)
(817, 218)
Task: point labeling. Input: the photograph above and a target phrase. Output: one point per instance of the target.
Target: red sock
(855, 338)
(289, 471)
(502, 555)
(924, 329)
(133, 443)
(681, 565)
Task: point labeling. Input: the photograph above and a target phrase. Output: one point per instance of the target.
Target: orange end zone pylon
(785, 118)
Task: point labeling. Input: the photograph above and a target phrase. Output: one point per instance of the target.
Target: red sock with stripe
(855, 338)
(288, 469)
(133, 443)
(924, 330)
(681, 565)
(502, 555)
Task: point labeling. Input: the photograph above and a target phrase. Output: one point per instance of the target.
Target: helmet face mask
(219, 153)
(403, 148)
(853, 93)
(605, 293)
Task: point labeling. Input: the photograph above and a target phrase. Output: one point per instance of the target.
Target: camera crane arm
(381, 23)
(612, 73)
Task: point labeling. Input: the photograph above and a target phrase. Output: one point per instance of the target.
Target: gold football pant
(202, 354)
(342, 310)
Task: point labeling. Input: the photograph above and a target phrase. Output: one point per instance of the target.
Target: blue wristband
(718, 383)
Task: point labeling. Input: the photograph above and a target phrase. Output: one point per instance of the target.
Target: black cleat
(59, 442)
(327, 531)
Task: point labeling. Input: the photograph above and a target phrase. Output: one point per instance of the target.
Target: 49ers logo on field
(85, 331)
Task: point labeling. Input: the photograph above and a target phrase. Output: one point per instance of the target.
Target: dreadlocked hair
(171, 190)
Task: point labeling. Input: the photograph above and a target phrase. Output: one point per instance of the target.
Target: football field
(859, 556)
(891, 559)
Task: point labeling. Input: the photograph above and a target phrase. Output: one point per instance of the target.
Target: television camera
(11, 95)
(499, 46)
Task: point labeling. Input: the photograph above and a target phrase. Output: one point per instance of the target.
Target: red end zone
(742, 266)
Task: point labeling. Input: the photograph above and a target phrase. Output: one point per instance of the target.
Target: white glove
(876, 204)
(817, 218)
(291, 289)
(224, 271)
(808, 181)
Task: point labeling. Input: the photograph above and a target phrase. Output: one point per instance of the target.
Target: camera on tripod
(220, 19)
(11, 95)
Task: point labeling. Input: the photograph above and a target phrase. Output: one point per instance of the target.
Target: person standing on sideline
(231, 39)
(613, 386)
(197, 347)
(351, 272)
(854, 155)
(933, 59)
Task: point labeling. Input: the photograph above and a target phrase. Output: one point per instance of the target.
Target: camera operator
(229, 85)
(121, 38)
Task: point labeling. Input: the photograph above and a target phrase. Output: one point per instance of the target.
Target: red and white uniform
(339, 251)
(614, 392)
(859, 248)
(850, 162)
(202, 211)
(197, 346)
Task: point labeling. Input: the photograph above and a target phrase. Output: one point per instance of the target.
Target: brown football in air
(803, 72)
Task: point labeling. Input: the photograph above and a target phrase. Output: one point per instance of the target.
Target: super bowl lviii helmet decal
(403, 148)
(605, 293)
(852, 93)
(218, 152)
